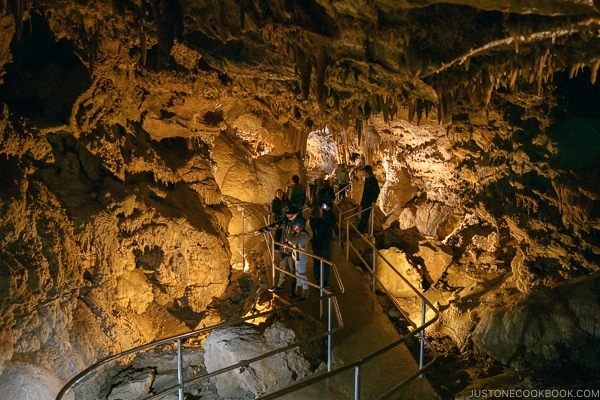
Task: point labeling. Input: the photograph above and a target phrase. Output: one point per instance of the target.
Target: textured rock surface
(229, 346)
(28, 382)
(142, 141)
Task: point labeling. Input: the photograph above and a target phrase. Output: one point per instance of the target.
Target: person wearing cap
(290, 213)
(286, 262)
(369, 197)
(299, 240)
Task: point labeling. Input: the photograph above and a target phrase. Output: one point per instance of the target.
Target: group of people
(290, 227)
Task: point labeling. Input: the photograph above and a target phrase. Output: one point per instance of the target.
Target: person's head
(367, 170)
(298, 224)
(341, 166)
(295, 179)
(279, 193)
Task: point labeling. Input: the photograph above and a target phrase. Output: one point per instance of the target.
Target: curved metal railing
(124, 358)
(375, 282)
(333, 310)
(416, 329)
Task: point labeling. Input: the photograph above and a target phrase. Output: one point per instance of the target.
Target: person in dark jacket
(278, 204)
(321, 224)
(286, 262)
(369, 197)
(326, 194)
(296, 193)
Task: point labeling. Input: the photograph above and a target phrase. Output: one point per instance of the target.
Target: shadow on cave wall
(576, 132)
(45, 77)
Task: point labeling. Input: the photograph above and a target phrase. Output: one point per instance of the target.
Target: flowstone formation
(142, 142)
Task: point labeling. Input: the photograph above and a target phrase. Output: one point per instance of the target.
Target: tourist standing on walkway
(321, 224)
(278, 203)
(296, 193)
(299, 240)
(369, 197)
(286, 262)
(342, 180)
(325, 195)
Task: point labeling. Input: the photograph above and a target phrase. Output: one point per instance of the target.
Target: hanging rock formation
(142, 142)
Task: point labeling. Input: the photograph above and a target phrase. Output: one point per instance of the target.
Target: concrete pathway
(366, 330)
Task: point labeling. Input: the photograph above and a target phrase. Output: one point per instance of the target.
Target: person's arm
(303, 242)
(271, 227)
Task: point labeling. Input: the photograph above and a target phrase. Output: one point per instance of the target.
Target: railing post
(240, 208)
(371, 220)
(422, 341)
(320, 288)
(272, 250)
(339, 227)
(329, 336)
(180, 368)
(347, 241)
(357, 382)
(374, 268)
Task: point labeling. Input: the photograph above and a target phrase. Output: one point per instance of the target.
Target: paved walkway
(366, 330)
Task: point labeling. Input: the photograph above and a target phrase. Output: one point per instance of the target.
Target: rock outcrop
(142, 142)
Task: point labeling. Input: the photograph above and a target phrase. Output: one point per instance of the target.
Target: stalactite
(487, 87)
(440, 115)
(393, 109)
(367, 109)
(427, 105)
(358, 125)
(18, 8)
(385, 108)
(372, 144)
(419, 107)
(139, 26)
(89, 36)
(473, 93)
(411, 110)
(540, 71)
(575, 69)
(168, 16)
(379, 99)
(345, 117)
(514, 73)
(594, 70)
(320, 71)
(305, 70)
(449, 104)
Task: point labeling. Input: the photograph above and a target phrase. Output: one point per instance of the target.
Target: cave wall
(138, 157)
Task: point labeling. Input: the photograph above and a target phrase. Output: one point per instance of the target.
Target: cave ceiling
(295, 64)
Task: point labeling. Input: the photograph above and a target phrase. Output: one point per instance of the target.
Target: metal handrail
(347, 189)
(325, 294)
(358, 364)
(375, 280)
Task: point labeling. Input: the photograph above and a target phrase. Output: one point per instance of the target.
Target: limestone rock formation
(231, 345)
(28, 382)
(143, 140)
